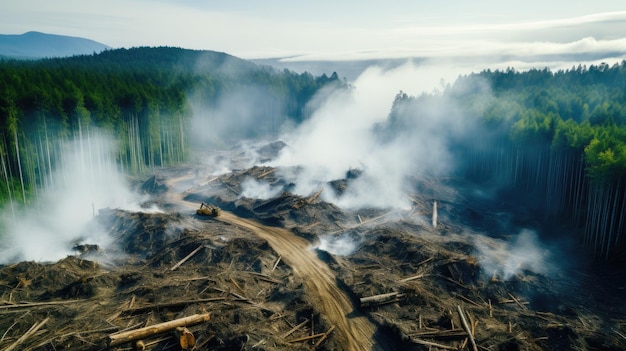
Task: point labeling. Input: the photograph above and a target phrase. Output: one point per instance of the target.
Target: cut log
(380, 299)
(137, 334)
(185, 338)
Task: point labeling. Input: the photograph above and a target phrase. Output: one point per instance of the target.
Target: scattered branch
(467, 328)
(137, 334)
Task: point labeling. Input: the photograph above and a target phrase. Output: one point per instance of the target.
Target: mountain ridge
(34, 45)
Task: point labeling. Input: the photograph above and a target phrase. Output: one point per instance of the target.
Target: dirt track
(354, 332)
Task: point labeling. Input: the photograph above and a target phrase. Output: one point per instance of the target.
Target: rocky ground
(295, 272)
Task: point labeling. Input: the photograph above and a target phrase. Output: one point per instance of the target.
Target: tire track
(354, 333)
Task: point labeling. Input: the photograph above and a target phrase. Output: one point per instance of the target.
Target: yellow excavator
(208, 210)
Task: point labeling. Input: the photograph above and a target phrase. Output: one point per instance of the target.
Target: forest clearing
(406, 286)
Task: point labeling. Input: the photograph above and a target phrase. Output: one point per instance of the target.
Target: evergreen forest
(554, 141)
(139, 97)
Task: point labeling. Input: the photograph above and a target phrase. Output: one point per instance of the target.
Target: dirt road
(354, 331)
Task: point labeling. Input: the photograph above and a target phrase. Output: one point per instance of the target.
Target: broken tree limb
(433, 344)
(270, 171)
(292, 330)
(324, 337)
(468, 330)
(276, 264)
(27, 335)
(305, 338)
(187, 257)
(380, 299)
(137, 334)
(38, 304)
(265, 277)
(172, 304)
(421, 275)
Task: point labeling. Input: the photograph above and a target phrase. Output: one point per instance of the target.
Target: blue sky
(475, 31)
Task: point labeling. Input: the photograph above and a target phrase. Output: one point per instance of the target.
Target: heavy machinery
(208, 210)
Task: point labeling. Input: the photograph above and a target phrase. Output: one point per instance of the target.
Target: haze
(476, 33)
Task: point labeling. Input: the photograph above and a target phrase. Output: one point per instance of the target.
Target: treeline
(555, 139)
(139, 96)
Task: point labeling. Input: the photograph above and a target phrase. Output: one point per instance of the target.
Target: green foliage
(139, 95)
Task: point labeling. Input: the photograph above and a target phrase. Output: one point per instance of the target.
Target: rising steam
(86, 179)
(503, 260)
(344, 132)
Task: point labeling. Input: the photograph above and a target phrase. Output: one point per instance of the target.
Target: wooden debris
(185, 338)
(324, 337)
(467, 300)
(265, 277)
(141, 333)
(171, 304)
(27, 335)
(268, 172)
(187, 257)
(39, 304)
(433, 344)
(467, 328)
(421, 275)
(292, 330)
(518, 302)
(305, 338)
(448, 333)
(276, 264)
(380, 299)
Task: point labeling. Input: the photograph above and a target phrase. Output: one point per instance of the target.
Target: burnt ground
(255, 269)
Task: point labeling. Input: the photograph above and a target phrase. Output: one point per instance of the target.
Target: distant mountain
(39, 45)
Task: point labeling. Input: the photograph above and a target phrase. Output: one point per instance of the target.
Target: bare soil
(257, 271)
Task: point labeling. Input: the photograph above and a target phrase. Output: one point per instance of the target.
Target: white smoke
(254, 189)
(342, 245)
(86, 179)
(343, 133)
(503, 260)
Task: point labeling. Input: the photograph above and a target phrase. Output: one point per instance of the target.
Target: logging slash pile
(180, 281)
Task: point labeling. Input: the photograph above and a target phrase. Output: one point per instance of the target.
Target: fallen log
(380, 299)
(187, 257)
(467, 328)
(137, 334)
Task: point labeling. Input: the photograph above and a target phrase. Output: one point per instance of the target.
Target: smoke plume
(351, 128)
(86, 179)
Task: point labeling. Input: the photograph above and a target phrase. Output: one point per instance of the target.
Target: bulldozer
(208, 210)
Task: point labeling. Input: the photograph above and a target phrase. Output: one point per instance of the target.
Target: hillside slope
(38, 45)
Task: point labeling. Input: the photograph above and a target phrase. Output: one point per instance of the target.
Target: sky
(474, 31)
